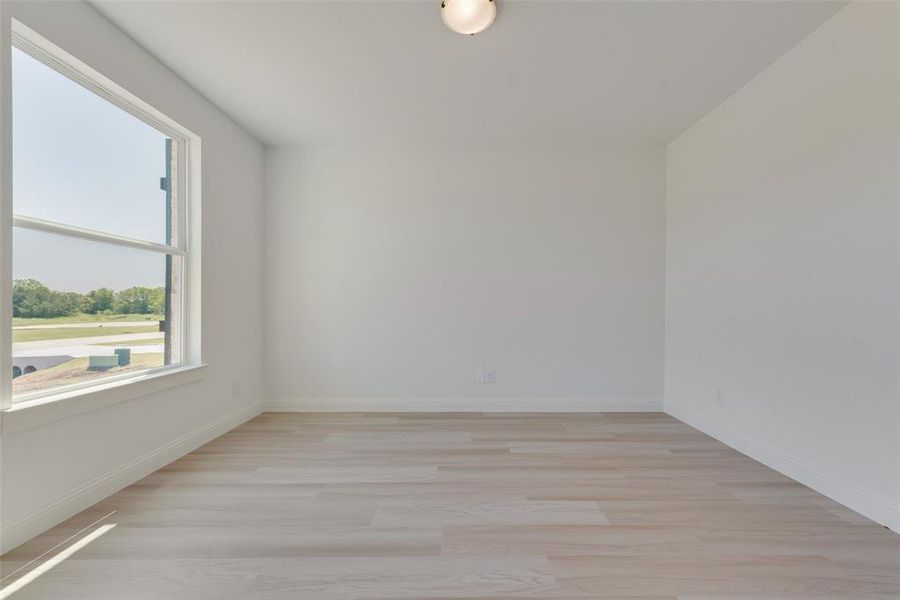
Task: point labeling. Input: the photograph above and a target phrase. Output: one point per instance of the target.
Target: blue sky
(80, 160)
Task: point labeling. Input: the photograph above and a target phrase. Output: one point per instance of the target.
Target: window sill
(34, 413)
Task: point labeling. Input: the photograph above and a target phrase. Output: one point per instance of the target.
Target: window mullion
(5, 213)
(92, 235)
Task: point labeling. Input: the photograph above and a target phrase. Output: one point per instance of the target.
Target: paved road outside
(86, 325)
(81, 351)
(86, 341)
(89, 346)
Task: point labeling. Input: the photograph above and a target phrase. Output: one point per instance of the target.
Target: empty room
(449, 299)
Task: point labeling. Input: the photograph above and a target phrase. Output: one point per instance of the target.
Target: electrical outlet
(486, 376)
(720, 396)
(235, 387)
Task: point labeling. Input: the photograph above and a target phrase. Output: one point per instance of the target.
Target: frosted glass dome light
(468, 17)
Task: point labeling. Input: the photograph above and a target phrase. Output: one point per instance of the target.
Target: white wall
(42, 468)
(783, 264)
(395, 273)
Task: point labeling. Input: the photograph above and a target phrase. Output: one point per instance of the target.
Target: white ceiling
(305, 72)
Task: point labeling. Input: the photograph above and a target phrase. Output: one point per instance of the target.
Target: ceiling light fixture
(468, 17)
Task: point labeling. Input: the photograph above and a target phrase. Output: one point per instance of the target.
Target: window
(100, 244)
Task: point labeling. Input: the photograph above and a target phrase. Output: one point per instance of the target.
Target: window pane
(76, 303)
(80, 160)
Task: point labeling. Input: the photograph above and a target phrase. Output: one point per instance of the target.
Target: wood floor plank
(261, 540)
(356, 506)
(415, 512)
(763, 576)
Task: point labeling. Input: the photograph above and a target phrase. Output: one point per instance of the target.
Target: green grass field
(65, 333)
(83, 318)
(150, 342)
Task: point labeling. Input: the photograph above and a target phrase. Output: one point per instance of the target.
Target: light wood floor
(491, 506)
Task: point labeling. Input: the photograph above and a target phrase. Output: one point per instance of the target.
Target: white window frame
(106, 390)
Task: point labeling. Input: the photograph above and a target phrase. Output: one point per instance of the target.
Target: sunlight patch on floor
(54, 560)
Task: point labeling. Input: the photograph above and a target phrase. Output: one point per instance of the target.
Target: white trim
(463, 405)
(109, 483)
(896, 527)
(190, 238)
(42, 49)
(92, 235)
(49, 407)
(5, 210)
(828, 485)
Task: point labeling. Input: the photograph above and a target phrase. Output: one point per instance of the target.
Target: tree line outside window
(33, 299)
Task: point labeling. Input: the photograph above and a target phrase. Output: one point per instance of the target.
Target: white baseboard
(87, 495)
(463, 405)
(840, 491)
